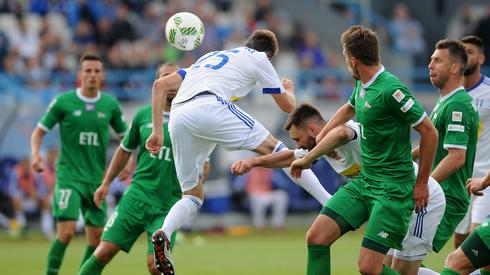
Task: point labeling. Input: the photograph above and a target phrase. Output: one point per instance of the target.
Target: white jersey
(231, 74)
(481, 99)
(345, 159)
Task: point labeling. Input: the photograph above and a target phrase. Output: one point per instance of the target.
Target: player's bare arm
(118, 162)
(338, 136)
(344, 114)
(476, 185)
(274, 160)
(415, 153)
(427, 152)
(448, 165)
(287, 100)
(159, 92)
(36, 141)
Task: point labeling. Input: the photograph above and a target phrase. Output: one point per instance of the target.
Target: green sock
(448, 271)
(318, 260)
(91, 267)
(388, 271)
(484, 272)
(55, 257)
(88, 251)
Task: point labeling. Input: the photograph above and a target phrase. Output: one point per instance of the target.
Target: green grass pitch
(258, 253)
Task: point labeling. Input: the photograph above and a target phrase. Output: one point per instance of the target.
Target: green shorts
(452, 216)
(71, 196)
(387, 206)
(131, 218)
(477, 246)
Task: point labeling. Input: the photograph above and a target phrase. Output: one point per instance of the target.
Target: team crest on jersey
(457, 116)
(149, 125)
(89, 107)
(398, 95)
(77, 113)
(101, 115)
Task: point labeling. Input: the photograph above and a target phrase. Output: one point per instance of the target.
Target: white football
(184, 31)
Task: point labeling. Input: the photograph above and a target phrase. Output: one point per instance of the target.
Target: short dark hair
(263, 41)
(165, 65)
(474, 40)
(90, 56)
(302, 115)
(361, 43)
(456, 50)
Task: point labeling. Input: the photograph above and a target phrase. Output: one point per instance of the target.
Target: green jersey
(456, 120)
(84, 131)
(385, 110)
(155, 180)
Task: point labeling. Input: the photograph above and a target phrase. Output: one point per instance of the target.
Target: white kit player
(203, 116)
(341, 148)
(478, 87)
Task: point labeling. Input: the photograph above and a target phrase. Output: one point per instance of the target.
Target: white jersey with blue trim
(481, 99)
(231, 74)
(345, 159)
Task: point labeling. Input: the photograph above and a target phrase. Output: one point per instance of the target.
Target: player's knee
(367, 268)
(315, 236)
(104, 253)
(65, 235)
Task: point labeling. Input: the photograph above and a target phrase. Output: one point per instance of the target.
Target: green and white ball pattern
(184, 31)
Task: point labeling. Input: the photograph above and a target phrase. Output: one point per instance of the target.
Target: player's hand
(288, 84)
(421, 196)
(154, 143)
(475, 186)
(298, 166)
(38, 163)
(100, 195)
(241, 167)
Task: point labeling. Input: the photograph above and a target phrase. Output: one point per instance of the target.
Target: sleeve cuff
(40, 125)
(419, 120)
(126, 148)
(454, 146)
(348, 102)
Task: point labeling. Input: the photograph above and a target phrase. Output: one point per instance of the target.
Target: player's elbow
(343, 133)
(288, 108)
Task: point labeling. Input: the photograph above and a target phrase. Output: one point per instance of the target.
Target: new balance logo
(77, 112)
(475, 252)
(383, 234)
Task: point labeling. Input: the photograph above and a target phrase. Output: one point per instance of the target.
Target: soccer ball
(184, 31)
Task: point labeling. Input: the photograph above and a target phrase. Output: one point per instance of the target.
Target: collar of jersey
(477, 84)
(451, 93)
(87, 99)
(367, 84)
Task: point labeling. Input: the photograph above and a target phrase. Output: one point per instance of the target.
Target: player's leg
(66, 207)
(153, 222)
(120, 232)
(473, 253)
(96, 262)
(463, 229)
(391, 206)
(417, 244)
(308, 180)
(452, 217)
(94, 218)
(345, 211)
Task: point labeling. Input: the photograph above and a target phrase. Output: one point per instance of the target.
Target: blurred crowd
(41, 41)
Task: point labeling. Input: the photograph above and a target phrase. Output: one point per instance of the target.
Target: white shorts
(197, 126)
(423, 226)
(480, 207)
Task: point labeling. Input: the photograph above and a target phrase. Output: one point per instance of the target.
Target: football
(184, 31)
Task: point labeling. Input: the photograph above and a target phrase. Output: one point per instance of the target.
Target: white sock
(426, 271)
(308, 180)
(47, 225)
(21, 219)
(182, 211)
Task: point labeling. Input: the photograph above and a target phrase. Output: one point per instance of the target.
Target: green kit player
(153, 190)
(456, 121)
(386, 191)
(474, 252)
(84, 116)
